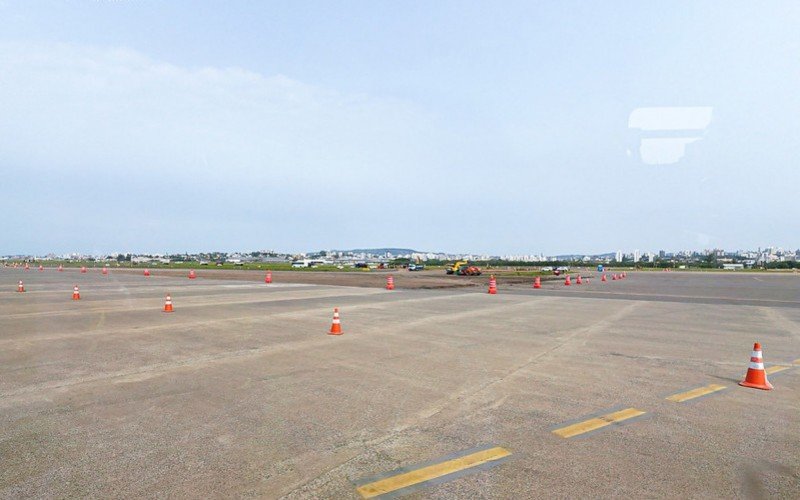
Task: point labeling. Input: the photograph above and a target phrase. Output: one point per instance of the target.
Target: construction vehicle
(467, 270)
(463, 268)
(454, 268)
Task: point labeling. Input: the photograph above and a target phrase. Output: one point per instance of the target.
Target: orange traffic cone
(336, 326)
(168, 304)
(60, 268)
(390, 282)
(27, 267)
(268, 278)
(83, 269)
(579, 281)
(104, 271)
(568, 281)
(756, 376)
(147, 272)
(492, 285)
(624, 274)
(192, 274)
(76, 294)
(604, 277)
(20, 287)
(613, 277)
(537, 283)
(41, 267)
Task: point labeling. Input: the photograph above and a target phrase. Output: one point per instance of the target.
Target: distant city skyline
(497, 128)
(617, 256)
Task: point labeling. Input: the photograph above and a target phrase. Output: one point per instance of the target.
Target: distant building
(618, 256)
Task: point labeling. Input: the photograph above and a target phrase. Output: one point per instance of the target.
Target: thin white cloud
(90, 109)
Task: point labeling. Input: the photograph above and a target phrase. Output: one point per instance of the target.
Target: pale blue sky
(496, 127)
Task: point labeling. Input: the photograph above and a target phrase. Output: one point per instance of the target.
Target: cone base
(335, 333)
(766, 387)
(167, 310)
(537, 286)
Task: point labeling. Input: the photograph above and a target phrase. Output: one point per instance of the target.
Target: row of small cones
(84, 270)
(193, 275)
(537, 282)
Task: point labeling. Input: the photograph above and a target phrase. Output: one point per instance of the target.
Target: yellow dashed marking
(597, 422)
(695, 393)
(776, 369)
(406, 479)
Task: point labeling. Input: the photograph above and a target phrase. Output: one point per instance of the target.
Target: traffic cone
(76, 294)
(41, 267)
(168, 304)
(537, 283)
(614, 277)
(147, 272)
(390, 282)
(268, 278)
(568, 281)
(604, 277)
(20, 287)
(83, 270)
(60, 268)
(336, 326)
(624, 274)
(579, 281)
(104, 271)
(492, 285)
(756, 376)
(192, 274)
(27, 267)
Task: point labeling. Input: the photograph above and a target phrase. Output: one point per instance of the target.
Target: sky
(488, 127)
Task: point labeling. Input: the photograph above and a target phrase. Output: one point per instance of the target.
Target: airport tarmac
(619, 389)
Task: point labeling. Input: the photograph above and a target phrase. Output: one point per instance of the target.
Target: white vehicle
(311, 263)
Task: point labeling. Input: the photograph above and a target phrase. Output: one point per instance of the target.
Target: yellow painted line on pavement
(775, 369)
(410, 478)
(597, 422)
(796, 361)
(695, 393)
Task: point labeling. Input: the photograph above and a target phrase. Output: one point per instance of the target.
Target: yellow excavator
(454, 268)
(462, 268)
